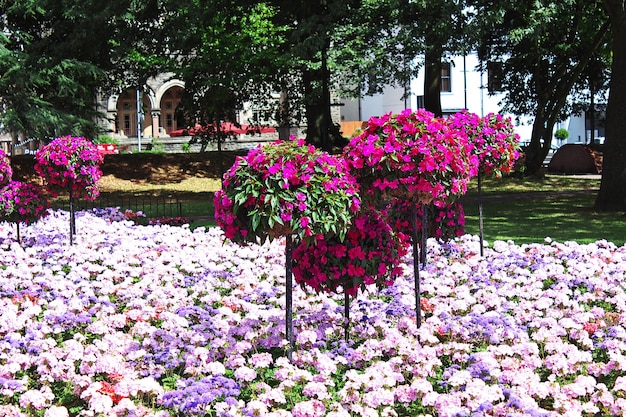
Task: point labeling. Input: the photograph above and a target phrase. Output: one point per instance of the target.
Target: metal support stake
(346, 310)
(72, 219)
(416, 267)
(289, 295)
(480, 213)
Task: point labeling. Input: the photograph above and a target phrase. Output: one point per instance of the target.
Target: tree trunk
(612, 195)
(321, 131)
(540, 142)
(432, 81)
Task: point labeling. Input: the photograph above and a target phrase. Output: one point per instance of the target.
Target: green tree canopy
(542, 50)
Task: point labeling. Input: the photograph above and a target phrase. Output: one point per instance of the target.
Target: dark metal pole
(416, 268)
(289, 295)
(72, 219)
(424, 233)
(346, 310)
(480, 213)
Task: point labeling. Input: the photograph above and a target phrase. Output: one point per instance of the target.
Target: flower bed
(146, 320)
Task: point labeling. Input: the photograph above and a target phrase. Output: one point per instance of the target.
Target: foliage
(103, 139)
(369, 255)
(286, 185)
(412, 155)
(6, 171)
(22, 202)
(539, 54)
(70, 164)
(441, 29)
(561, 134)
(52, 62)
(230, 58)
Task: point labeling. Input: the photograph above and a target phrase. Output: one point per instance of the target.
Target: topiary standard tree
(494, 142)
(412, 156)
(70, 164)
(286, 189)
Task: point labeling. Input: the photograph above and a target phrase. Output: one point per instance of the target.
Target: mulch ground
(149, 168)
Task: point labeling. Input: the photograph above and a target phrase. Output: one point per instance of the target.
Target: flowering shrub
(495, 142)
(154, 322)
(71, 164)
(6, 171)
(445, 221)
(412, 155)
(22, 202)
(370, 254)
(286, 187)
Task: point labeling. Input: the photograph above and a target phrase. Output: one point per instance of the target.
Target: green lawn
(524, 210)
(561, 218)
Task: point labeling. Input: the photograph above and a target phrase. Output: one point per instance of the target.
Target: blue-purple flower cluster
(161, 320)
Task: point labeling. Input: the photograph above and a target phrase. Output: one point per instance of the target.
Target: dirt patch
(145, 168)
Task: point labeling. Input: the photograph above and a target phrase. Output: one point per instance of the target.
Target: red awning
(228, 128)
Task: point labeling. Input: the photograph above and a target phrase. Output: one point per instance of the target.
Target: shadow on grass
(562, 218)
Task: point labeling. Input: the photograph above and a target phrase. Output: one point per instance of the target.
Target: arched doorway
(169, 103)
(127, 113)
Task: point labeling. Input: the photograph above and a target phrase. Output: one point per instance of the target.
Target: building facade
(463, 87)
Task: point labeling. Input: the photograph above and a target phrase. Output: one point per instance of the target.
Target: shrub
(286, 187)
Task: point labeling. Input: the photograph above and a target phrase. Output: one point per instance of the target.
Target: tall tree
(543, 49)
(612, 195)
(442, 27)
(309, 43)
(55, 56)
(226, 53)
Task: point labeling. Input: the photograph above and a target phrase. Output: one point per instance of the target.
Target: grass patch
(550, 183)
(561, 217)
(524, 210)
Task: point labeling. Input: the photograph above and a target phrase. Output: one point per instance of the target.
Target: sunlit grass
(532, 184)
(112, 184)
(562, 218)
(550, 212)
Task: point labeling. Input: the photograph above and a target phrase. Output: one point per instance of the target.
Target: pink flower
(368, 255)
(285, 183)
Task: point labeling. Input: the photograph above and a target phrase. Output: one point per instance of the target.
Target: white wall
(469, 90)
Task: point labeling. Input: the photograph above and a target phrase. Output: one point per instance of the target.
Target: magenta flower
(286, 187)
(445, 221)
(6, 171)
(493, 138)
(22, 202)
(370, 254)
(411, 155)
(70, 164)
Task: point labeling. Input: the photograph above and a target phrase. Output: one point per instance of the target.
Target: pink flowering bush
(412, 155)
(369, 255)
(286, 187)
(70, 164)
(495, 142)
(6, 171)
(22, 202)
(445, 221)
